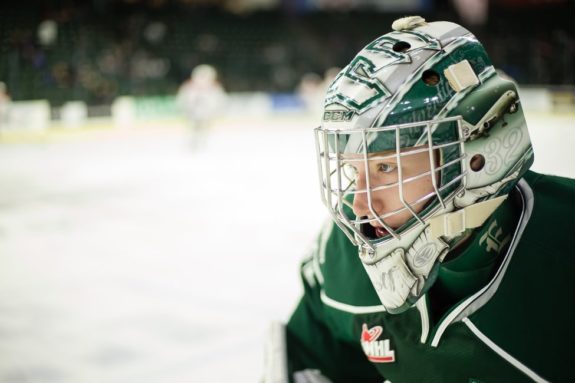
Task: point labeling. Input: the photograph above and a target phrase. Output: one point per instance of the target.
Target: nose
(360, 205)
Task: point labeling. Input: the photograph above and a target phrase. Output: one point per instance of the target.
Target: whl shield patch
(377, 351)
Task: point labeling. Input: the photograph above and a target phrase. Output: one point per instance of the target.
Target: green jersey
(500, 310)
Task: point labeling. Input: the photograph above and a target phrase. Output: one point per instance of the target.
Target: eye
(385, 167)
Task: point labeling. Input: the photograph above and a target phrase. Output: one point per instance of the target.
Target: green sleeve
(312, 345)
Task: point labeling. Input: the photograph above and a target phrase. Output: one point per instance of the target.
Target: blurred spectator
(5, 101)
(328, 77)
(472, 12)
(96, 51)
(311, 92)
(201, 98)
(155, 32)
(47, 33)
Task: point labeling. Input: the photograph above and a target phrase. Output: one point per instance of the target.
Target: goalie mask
(421, 140)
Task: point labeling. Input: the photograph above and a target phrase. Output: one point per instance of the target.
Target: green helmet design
(426, 89)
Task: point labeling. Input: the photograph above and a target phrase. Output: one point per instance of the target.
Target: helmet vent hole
(477, 162)
(401, 46)
(430, 77)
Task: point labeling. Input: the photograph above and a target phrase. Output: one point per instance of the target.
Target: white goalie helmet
(423, 93)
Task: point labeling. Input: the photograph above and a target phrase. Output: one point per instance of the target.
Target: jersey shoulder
(553, 207)
(337, 267)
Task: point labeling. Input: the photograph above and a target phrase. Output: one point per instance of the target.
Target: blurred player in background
(312, 88)
(4, 106)
(329, 75)
(311, 92)
(201, 98)
(448, 260)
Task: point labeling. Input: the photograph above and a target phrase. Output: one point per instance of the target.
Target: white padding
(461, 76)
(407, 23)
(275, 354)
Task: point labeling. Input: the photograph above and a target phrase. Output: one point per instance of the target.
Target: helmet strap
(470, 217)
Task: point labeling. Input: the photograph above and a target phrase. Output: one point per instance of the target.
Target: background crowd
(97, 50)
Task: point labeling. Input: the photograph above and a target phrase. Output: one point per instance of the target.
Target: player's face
(383, 170)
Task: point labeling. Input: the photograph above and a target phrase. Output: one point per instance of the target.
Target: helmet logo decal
(494, 239)
(359, 86)
(509, 145)
(364, 89)
(377, 351)
(385, 43)
(423, 256)
(337, 115)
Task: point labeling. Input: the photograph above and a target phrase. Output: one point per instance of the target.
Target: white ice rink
(126, 257)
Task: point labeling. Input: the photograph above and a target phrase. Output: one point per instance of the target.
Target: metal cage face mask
(420, 142)
(393, 163)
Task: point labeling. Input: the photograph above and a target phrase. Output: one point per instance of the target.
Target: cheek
(384, 180)
(419, 188)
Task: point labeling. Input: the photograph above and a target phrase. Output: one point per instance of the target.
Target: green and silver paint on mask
(380, 104)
